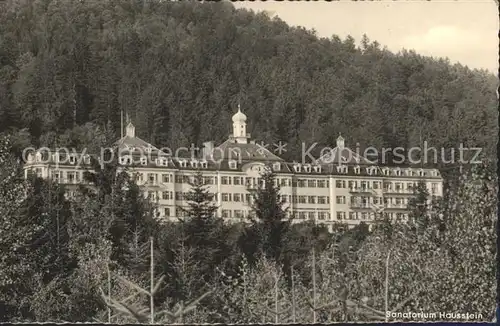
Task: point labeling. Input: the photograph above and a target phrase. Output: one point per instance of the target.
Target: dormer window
(125, 160)
(72, 159)
(194, 164)
(307, 168)
(162, 161)
(276, 166)
(398, 172)
(183, 163)
(421, 173)
(341, 169)
(317, 168)
(357, 169)
(233, 164)
(204, 164)
(144, 160)
(385, 171)
(297, 167)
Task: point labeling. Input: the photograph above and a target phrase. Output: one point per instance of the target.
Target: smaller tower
(340, 142)
(130, 132)
(239, 127)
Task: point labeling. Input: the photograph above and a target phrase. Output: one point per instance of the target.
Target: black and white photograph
(248, 162)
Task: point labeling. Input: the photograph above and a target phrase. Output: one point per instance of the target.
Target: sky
(464, 31)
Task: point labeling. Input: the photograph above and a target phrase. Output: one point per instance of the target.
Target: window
(226, 197)
(311, 183)
(434, 188)
(321, 183)
(208, 180)
(375, 184)
(317, 168)
(340, 184)
(152, 178)
(307, 168)
(385, 171)
(248, 198)
(152, 195)
(302, 199)
(194, 163)
(71, 177)
(185, 179)
(276, 166)
(237, 181)
(56, 175)
(144, 160)
(166, 178)
(225, 180)
(236, 197)
(183, 163)
(356, 169)
(294, 199)
(364, 185)
(204, 164)
(238, 213)
(340, 215)
(166, 195)
(322, 215)
(233, 165)
(341, 200)
(352, 216)
(353, 185)
(302, 215)
(301, 183)
(364, 216)
(322, 199)
(311, 215)
(296, 167)
(311, 199)
(166, 211)
(178, 179)
(284, 183)
(398, 172)
(226, 213)
(397, 187)
(77, 175)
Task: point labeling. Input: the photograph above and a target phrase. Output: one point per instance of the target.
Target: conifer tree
(269, 216)
(203, 230)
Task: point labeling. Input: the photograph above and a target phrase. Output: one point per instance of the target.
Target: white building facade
(340, 186)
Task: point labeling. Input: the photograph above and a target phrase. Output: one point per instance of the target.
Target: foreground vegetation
(103, 256)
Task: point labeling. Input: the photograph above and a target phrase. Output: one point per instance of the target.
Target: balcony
(399, 191)
(359, 205)
(361, 190)
(396, 206)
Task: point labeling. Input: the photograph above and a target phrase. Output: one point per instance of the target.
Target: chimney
(208, 148)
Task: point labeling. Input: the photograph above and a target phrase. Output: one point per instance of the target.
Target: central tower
(240, 127)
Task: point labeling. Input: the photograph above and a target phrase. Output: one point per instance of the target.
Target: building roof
(243, 152)
(135, 144)
(343, 156)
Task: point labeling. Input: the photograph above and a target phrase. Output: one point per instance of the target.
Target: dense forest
(179, 69)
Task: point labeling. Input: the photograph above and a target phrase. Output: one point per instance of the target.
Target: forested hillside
(179, 69)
